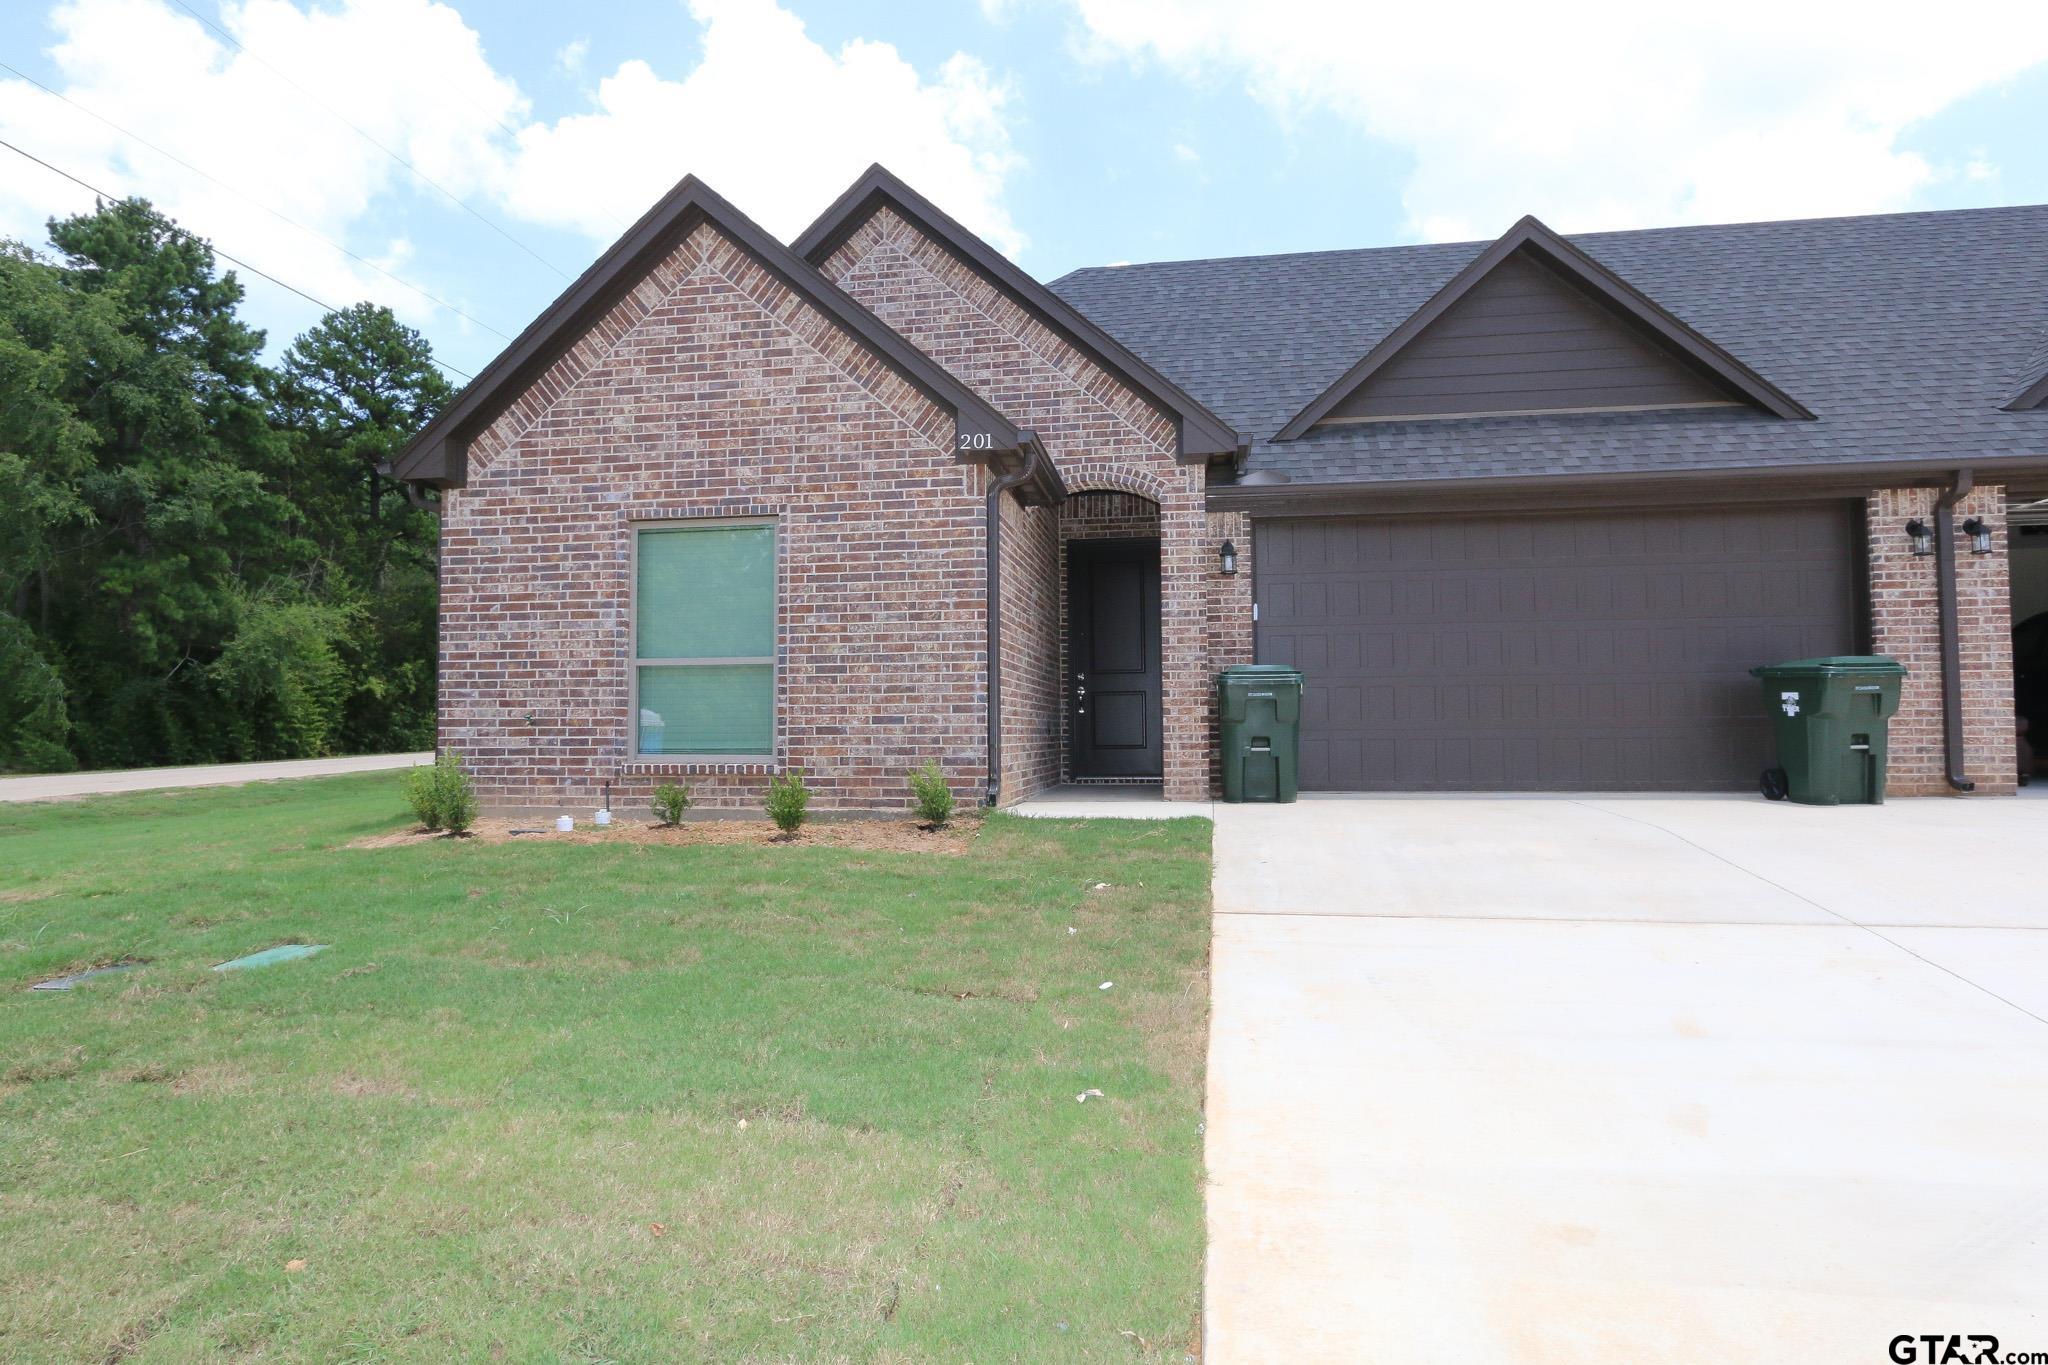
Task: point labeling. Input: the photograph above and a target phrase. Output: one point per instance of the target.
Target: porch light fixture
(1979, 534)
(1227, 557)
(1922, 536)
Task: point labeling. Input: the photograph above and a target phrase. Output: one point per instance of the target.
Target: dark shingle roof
(1903, 333)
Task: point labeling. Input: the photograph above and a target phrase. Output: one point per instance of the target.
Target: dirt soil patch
(884, 836)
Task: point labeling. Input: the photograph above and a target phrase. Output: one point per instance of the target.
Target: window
(704, 639)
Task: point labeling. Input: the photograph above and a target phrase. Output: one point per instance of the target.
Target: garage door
(1593, 652)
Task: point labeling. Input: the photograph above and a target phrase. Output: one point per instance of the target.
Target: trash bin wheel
(1773, 784)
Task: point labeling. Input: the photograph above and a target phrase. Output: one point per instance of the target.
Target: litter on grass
(1082, 1098)
(65, 983)
(270, 957)
(1105, 985)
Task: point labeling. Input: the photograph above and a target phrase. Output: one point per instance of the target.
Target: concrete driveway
(1627, 1079)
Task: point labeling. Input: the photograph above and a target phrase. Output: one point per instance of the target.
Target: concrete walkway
(57, 786)
(1075, 802)
(1617, 1079)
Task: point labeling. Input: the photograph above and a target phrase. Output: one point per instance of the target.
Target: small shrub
(442, 796)
(423, 794)
(789, 801)
(458, 793)
(934, 798)
(671, 799)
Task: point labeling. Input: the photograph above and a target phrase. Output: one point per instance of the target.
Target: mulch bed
(886, 836)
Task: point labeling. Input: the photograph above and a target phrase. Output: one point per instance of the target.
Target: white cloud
(569, 60)
(770, 118)
(778, 125)
(407, 72)
(1615, 114)
(1186, 155)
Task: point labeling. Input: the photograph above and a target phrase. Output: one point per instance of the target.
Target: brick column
(1187, 561)
(1906, 624)
(1231, 638)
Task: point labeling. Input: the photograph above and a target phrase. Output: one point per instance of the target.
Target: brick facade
(1905, 623)
(1103, 437)
(712, 390)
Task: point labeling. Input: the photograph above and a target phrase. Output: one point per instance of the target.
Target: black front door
(1113, 658)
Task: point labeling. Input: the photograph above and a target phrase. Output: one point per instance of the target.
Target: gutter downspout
(1951, 644)
(993, 516)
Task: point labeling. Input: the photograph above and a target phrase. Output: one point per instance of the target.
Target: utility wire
(246, 198)
(453, 198)
(191, 236)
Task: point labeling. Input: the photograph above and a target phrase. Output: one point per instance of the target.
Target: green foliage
(934, 798)
(442, 794)
(282, 677)
(423, 794)
(200, 548)
(671, 799)
(789, 800)
(33, 722)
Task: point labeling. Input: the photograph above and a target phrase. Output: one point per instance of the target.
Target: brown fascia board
(1657, 488)
(1588, 274)
(438, 454)
(1203, 435)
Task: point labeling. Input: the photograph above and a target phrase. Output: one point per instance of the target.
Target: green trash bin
(1830, 719)
(1260, 705)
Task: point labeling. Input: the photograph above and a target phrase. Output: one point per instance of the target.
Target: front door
(1113, 658)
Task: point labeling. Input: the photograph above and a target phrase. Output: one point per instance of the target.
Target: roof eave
(1585, 270)
(1201, 435)
(1843, 478)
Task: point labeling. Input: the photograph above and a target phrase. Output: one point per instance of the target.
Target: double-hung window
(704, 639)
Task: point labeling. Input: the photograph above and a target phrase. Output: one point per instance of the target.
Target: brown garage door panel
(1586, 652)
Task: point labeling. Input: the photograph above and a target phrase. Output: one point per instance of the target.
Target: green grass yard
(589, 1102)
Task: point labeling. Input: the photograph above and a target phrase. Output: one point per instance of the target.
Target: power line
(454, 198)
(191, 236)
(239, 194)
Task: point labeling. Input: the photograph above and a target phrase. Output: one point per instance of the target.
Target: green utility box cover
(1830, 717)
(1260, 706)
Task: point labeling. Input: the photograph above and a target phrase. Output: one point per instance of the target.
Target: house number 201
(977, 440)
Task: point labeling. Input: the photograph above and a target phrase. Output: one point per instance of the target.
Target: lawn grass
(548, 1102)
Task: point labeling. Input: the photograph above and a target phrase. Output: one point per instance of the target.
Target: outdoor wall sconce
(1228, 559)
(1979, 534)
(1922, 536)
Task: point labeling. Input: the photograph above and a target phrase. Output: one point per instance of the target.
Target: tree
(174, 394)
(198, 559)
(352, 391)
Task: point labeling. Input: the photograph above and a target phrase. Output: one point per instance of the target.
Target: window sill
(685, 765)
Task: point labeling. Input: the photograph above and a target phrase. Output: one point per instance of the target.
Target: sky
(461, 161)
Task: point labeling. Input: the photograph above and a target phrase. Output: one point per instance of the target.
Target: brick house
(1524, 512)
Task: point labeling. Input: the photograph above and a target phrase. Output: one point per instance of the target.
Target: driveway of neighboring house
(1626, 1079)
(55, 786)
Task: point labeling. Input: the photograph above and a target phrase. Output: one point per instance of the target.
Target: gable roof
(2033, 390)
(438, 454)
(1202, 434)
(1630, 303)
(1902, 333)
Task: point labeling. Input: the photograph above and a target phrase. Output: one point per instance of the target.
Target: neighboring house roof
(438, 454)
(1900, 333)
(1629, 308)
(1202, 434)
